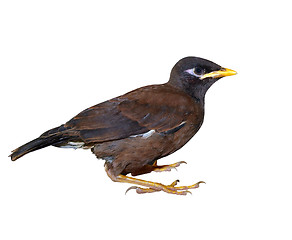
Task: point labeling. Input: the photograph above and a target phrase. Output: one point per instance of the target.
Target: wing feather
(149, 108)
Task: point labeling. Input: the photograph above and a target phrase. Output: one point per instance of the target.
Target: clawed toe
(140, 190)
(169, 167)
(172, 189)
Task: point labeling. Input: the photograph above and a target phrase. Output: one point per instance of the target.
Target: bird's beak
(223, 72)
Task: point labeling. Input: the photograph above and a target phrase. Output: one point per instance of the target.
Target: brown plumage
(131, 132)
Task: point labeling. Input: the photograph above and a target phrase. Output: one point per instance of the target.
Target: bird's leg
(153, 186)
(163, 168)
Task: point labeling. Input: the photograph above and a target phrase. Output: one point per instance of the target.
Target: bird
(132, 131)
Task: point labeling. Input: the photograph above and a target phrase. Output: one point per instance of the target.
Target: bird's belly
(128, 155)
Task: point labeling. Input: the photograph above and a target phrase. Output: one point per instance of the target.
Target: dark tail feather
(33, 145)
(51, 137)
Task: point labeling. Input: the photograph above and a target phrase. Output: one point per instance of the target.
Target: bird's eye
(198, 71)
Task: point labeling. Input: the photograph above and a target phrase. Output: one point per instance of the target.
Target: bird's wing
(137, 112)
(104, 122)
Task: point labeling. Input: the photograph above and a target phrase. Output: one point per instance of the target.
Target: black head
(195, 75)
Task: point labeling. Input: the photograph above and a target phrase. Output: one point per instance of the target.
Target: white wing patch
(74, 145)
(151, 132)
(144, 135)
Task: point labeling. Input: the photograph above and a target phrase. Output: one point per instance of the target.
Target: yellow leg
(152, 186)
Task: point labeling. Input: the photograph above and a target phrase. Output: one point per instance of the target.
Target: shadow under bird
(131, 132)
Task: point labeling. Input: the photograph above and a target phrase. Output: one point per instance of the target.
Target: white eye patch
(198, 72)
(190, 71)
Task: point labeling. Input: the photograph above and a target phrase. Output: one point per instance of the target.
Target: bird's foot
(164, 168)
(150, 190)
(150, 187)
(172, 189)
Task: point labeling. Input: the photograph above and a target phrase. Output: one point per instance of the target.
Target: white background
(60, 57)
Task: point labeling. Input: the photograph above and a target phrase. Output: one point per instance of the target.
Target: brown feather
(157, 107)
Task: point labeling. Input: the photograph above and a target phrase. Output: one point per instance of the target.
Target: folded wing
(134, 113)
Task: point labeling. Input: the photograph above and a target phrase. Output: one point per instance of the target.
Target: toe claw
(201, 182)
(184, 193)
(174, 183)
(198, 184)
(130, 188)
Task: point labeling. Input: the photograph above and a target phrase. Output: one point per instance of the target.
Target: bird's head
(195, 75)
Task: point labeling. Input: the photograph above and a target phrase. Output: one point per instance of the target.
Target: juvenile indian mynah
(132, 131)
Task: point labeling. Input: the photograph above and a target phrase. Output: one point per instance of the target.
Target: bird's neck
(197, 91)
(193, 87)
(198, 94)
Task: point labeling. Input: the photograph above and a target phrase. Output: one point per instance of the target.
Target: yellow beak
(223, 72)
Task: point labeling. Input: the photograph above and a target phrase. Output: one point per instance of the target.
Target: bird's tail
(51, 137)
